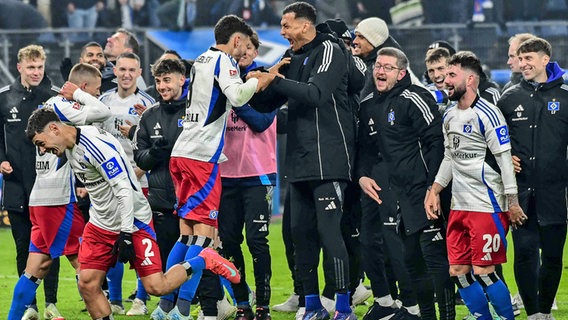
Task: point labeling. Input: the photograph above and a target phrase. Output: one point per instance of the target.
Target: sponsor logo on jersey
(112, 168)
(233, 72)
(456, 141)
(553, 106)
(467, 128)
(502, 134)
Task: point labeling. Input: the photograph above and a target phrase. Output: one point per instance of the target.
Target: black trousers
(251, 208)
(21, 232)
(166, 225)
(316, 212)
(289, 248)
(538, 261)
(350, 231)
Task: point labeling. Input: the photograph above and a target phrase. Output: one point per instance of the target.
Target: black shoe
(403, 314)
(262, 314)
(378, 312)
(244, 314)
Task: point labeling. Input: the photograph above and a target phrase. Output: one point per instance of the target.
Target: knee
(88, 288)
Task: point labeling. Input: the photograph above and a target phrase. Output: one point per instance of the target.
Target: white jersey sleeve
(228, 76)
(116, 197)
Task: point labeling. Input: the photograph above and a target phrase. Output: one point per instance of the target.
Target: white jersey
(122, 110)
(471, 138)
(117, 201)
(55, 183)
(217, 88)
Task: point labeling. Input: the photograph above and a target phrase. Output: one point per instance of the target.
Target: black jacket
(320, 141)
(401, 131)
(16, 106)
(159, 122)
(538, 126)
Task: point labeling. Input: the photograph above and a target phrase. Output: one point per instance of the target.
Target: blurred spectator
(333, 9)
(139, 13)
(375, 8)
(178, 14)
(525, 10)
(82, 14)
(255, 12)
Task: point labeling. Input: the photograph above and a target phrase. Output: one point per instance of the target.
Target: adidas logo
(331, 206)
(487, 257)
(14, 110)
(264, 228)
(438, 237)
(157, 126)
(146, 262)
(519, 109)
(371, 122)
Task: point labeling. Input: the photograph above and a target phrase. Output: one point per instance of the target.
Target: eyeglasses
(387, 68)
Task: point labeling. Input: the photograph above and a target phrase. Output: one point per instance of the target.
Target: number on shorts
(492, 242)
(148, 243)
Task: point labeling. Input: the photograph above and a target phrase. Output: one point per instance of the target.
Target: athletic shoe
(252, 297)
(517, 300)
(225, 309)
(138, 308)
(320, 314)
(554, 305)
(403, 314)
(290, 305)
(220, 265)
(547, 316)
(117, 309)
(378, 312)
(516, 310)
(361, 294)
(31, 314)
(344, 316)
(176, 315)
(328, 304)
(244, 314)
(262, 314)
(159, 314)
(536, 316)
(132, 296)
(51, 313)
(300, 313)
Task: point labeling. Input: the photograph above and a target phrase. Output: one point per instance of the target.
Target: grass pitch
(70, 306)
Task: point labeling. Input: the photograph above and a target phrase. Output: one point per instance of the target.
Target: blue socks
(114, 278)
(342, 302)
(313, 302)
(498, 294)
(176, 256)
(473, 296)
(24, 294)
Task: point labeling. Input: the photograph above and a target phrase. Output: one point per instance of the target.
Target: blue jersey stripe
(490, 193)
(58, 246)
(197, 198)
(60, 114)
(217, 155)
(143, 226)
(490, 113)
(90, 146)
(500, 229)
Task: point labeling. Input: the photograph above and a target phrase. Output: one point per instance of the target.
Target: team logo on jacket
(14, 113)
(467, 128)
(390, 117)
(502, 134)
(112, 168)
(553, 106)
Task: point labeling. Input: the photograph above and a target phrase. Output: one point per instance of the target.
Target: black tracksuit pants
(251, 208)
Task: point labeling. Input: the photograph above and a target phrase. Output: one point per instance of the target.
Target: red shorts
(198, 189)
(97, 245)
(477, 238)
(56, 229)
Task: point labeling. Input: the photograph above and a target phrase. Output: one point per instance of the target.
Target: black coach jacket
(537, 117)
(401, 132)
(161, 121)
(16, 105)
(321, 137)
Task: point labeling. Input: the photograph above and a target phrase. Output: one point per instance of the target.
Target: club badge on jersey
(553, 106)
